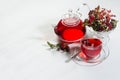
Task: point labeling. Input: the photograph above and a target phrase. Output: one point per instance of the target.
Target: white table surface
(25, 26)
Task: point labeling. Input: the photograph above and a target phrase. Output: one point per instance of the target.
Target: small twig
(85, 4)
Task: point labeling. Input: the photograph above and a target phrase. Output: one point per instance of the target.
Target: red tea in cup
(91, 47)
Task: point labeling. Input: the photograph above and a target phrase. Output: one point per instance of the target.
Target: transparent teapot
(70, 29)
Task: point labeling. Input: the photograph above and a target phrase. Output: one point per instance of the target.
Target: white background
(25, 26)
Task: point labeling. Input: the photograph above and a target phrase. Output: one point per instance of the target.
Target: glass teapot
(70, 29)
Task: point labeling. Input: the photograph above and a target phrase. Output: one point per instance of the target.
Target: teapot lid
(71, 19)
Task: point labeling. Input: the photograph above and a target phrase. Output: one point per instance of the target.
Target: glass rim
(91, 48)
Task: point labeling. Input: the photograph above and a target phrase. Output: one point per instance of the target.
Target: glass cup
(92, 52)
(91, 48)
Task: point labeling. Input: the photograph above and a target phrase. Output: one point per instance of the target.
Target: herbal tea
(91, 47)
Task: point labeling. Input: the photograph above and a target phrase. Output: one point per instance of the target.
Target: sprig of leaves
(53, 46)
(58, 46)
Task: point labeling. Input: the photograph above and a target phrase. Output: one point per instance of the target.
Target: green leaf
(51, 45)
